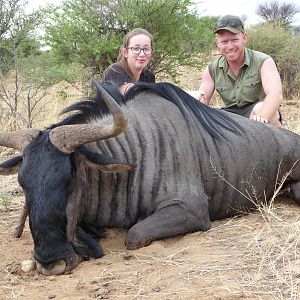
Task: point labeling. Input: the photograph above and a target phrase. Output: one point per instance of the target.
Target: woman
(133, 59)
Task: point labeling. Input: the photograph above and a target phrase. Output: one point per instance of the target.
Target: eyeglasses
(230, 22)
(137, 50)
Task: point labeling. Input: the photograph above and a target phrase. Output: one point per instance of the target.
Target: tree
(274, 11)
(17, 33)
(20, 59)
(84, 32)
(90, 32)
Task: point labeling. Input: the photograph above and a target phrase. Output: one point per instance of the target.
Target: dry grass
(273, 258)
(249, 258)
(291, 115)
(272, 264)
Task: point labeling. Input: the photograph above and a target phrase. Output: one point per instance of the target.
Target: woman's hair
(136, 31)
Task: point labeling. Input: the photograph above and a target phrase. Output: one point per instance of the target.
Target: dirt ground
(249, 257)
(255, 256)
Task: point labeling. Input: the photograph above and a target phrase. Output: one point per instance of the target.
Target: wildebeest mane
(214, 121)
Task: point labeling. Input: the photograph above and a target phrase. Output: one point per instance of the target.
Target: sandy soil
(249, 257)
(239, 258)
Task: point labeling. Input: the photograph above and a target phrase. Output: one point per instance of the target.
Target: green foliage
(203, 30)
(90, 32)
(43, 70)
(10, 52)
(176, 28)
(81, 32)
(284, 48)
(17, 33)
(24, 90)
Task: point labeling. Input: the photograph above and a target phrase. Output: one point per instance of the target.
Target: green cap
(231, 23)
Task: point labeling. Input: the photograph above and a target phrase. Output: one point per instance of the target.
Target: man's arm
(207, 87)
(272, 86)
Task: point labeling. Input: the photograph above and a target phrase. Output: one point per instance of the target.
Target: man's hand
(259, 119)
(202, 99)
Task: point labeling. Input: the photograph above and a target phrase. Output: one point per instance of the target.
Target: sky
(216, 8)
(239, 8)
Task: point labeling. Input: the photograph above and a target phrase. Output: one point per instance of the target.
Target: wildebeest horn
(68, 137)
(18, 139)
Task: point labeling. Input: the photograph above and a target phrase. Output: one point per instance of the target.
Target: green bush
(284, 48)
(90, 32)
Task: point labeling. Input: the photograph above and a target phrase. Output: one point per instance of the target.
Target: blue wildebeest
(175, 167)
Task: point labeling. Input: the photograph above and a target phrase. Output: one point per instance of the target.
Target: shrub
(284, 48)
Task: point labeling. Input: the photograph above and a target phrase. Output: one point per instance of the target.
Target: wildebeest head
(47, 173)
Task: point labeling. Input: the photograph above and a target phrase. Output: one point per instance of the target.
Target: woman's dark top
(117, 75)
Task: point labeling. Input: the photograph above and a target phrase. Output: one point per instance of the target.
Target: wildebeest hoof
(58, 267)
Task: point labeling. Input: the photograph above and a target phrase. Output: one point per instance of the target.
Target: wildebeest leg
(173, 218)
(19, 229)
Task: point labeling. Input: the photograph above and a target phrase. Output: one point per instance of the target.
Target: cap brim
(231, 29)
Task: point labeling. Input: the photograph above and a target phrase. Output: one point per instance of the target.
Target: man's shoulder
(218, 62)
(220, 59)
(215, 64)
(256, 54)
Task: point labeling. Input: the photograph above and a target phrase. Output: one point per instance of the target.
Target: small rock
(51, 296)
(52, 278)
(102, 292)
(156, 289)
(28, 265)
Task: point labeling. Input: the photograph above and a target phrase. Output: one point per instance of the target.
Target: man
(247, 81)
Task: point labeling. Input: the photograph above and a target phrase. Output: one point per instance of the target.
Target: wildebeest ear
(11, 166)
(105, 163)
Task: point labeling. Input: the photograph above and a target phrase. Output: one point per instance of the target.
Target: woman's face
(138, 60)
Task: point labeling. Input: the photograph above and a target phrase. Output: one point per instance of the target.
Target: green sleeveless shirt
(243, 89)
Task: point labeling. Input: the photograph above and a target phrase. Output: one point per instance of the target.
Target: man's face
(231, 44)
